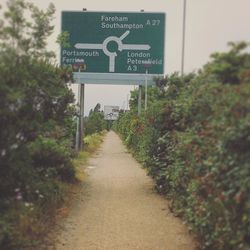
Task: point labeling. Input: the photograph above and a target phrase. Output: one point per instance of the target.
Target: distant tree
(229, 67)
(95, 122)
(97, 107)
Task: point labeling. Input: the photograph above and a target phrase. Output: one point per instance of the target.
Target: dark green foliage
(194, 140)
(36, 126)
(51, 160)
(229, 67)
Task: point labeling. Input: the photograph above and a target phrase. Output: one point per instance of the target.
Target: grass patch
(91, 144)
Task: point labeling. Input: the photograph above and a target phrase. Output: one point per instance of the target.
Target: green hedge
(36, 127)
(195, 142)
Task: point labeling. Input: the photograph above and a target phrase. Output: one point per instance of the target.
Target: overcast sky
(210, 25)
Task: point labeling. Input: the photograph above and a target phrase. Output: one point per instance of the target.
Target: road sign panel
(111, 113)
(114, 42)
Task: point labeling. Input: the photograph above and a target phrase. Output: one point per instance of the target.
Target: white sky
(210, 24)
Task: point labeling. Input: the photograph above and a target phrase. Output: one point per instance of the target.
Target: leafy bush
(50, 159)
(36, 127)
(95, 122)
(195, 142)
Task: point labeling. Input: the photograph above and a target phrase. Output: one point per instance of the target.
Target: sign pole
(183, 37)
(81, 127)
(146, 89)
(127, 101)
(78, 120)
(139, 99)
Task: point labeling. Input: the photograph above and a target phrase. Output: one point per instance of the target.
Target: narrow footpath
(119, 209)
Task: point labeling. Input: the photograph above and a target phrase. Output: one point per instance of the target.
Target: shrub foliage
(35, 127)
(95, 122)
(194, 139)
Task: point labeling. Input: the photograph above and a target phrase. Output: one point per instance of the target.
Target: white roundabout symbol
(110, 54)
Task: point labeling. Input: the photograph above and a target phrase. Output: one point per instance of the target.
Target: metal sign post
(147, 66)
(78, 120)
(81, 118)
(146, 90)
(139, 99)
(183, 37)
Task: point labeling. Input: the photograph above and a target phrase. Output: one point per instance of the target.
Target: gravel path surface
(119, 209)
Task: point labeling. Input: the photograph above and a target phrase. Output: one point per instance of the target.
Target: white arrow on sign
(88, 46)
(135, 47)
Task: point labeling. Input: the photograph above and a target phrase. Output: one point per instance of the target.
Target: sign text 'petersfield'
(114, 42)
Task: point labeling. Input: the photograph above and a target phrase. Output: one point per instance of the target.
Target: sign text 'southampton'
(114, 42)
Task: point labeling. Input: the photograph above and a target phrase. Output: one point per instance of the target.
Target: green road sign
(114, 42)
